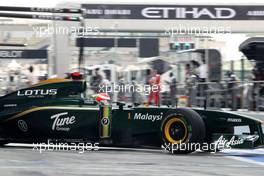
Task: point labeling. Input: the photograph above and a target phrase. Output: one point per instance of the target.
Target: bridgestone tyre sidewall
(193, 120)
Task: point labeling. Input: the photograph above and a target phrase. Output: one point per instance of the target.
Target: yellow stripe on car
(46, 107)
(51, 80)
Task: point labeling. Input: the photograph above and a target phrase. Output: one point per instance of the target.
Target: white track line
(239, 153)
(245, 160)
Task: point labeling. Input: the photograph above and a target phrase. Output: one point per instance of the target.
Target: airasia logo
(182, 12)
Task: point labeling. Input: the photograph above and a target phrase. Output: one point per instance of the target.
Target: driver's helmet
(76, 76)
(102, 97)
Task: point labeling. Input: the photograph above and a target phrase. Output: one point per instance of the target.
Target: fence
(226, 94)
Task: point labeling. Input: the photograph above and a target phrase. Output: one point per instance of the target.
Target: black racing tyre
(183, 131)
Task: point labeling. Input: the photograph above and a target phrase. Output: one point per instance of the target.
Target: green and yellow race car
(55, 110)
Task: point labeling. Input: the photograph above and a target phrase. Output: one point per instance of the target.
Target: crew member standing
(155, 89)
(32, 78)
(135, 96)
(203, 75)
(173, 90)
(96, 81)
(203, 71)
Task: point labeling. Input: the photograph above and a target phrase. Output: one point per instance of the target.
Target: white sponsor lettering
(228, 143)
(10, 54)
(94, 11)
(36, 92)
(10, 105)
(35, 9)
(47, 17)
(256, 13)
(150, 117)
(181, 12)
(234, 120)
(61, 121)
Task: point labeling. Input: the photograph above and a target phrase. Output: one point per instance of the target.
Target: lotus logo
(36, 92)
(22, 125)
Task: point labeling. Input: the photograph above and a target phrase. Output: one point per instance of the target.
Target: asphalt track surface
(22, 160)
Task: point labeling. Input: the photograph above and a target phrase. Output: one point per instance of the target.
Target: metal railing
(233, 95)
(226, 94)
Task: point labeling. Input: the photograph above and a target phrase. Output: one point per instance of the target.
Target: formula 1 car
(56, 110)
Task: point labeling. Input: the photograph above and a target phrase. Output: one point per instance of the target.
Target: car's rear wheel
(183, 131)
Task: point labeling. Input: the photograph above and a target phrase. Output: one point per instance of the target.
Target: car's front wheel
(183, 131)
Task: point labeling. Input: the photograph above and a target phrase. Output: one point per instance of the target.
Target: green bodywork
(58, 111)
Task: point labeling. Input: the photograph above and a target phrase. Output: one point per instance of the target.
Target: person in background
(135, 96)
(148, 76)
(231, 80)
(188, 81)
(32, 78)
(188, 72)
(121, 95)
(96, 81)
(203, 76)
(203, 71)
(154, 82)
(232, 88)
(173, 89)
(106, 88)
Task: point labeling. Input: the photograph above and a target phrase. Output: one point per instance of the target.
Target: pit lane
(23, 161)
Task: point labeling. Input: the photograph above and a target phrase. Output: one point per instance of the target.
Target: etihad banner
(173, 12)
(23, 54)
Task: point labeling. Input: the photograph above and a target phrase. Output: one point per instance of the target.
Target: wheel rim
(176, 131)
